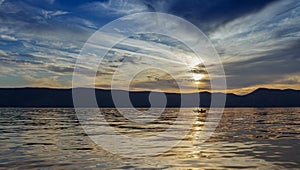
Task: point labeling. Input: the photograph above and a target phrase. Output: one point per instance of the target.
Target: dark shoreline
(62, 98)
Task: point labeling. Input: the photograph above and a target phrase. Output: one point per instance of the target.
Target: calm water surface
(246, 138)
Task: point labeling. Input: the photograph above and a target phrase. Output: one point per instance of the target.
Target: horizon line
(205, 91)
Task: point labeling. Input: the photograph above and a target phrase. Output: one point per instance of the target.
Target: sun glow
(197, 77)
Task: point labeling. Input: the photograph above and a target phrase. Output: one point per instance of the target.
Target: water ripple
(246, 138)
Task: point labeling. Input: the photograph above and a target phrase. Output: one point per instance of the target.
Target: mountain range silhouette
(47, 97)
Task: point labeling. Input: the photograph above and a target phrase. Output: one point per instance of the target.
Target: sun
(197, 77)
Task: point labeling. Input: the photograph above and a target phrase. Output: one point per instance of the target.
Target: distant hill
(45, 97)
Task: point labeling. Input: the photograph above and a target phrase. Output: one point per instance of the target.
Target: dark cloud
(289, 81)
(162, 84)
(59, 69)
(199, 69)
(266, 69)
(208, 15)
(16, 59)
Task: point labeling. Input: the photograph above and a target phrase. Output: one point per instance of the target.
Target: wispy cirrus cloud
(8, 38)
(137, 53)
(261, 48)
(117, 7)
(49, 14)
(257, 41)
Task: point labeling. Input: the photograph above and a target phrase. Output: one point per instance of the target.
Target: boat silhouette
(199, 110)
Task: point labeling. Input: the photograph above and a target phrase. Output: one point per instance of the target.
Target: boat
(200, 110)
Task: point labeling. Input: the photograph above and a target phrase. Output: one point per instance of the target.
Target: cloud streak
(261, 47)
(258, 42)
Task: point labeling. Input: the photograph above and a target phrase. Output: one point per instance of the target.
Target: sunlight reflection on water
(245, 138)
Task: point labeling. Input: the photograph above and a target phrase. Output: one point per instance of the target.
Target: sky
(258, 43)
